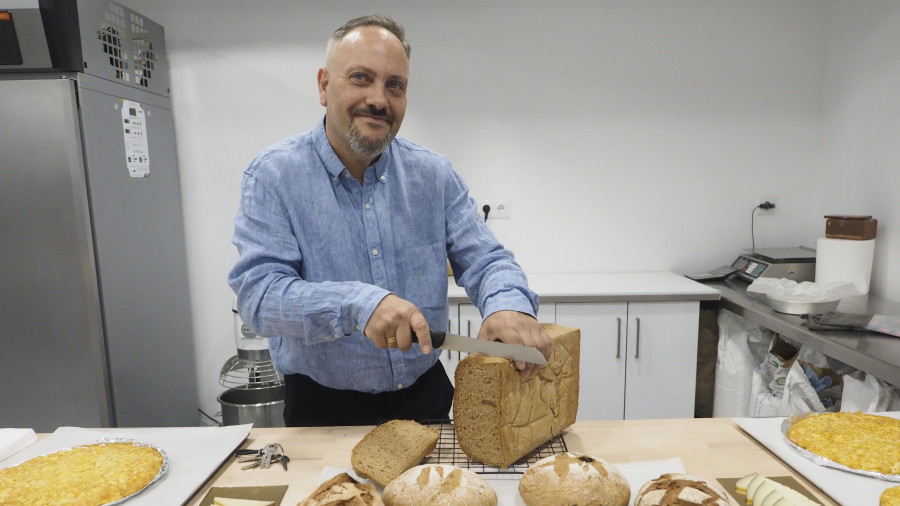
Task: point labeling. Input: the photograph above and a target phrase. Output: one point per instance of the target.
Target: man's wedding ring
(391, 340)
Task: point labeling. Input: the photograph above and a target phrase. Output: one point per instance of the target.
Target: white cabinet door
(661, 369)
(603, 351)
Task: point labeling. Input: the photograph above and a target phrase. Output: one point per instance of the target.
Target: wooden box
(859, 228)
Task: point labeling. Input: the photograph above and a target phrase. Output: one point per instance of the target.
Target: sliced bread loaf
(500, 417)
(391, 448)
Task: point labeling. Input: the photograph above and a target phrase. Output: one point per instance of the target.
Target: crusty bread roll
(391, 448)
(439, 485)
(500, 417)
(343, 490)
(674, 488)
(573, 478)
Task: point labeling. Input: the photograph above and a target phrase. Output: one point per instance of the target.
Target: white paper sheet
(507, 485)
(194, 453)
(15, 440)
(842, 486)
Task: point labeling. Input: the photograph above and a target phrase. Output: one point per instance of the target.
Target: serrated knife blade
(447, 341)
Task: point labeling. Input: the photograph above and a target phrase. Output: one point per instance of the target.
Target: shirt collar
(333, 164)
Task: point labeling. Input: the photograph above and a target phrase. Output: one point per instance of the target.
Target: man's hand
(513, 327)
(393, 323)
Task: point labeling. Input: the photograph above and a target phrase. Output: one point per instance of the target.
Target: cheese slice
(741, 485)
(753, 485)
(771, 498)
(227, 501)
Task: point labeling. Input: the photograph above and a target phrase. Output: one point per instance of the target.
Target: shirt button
(400, 386)
(382, 178)
(368, 206)
(375, 252)
(334, 179)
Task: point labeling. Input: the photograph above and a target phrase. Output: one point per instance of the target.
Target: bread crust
(500, 416)
(343, 490)
(439, 485)
(574, 478)
(682, 489)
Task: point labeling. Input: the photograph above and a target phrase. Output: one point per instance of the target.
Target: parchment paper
(507, 485)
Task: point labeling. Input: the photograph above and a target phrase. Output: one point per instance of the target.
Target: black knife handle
(437, 338)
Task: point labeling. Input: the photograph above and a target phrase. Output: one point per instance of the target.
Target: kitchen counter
(875, 353)
(708, 447)
(608, 287)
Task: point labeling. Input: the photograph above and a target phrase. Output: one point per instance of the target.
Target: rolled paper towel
(845, 260)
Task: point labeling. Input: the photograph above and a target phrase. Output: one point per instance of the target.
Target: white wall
(628, 136)
(860, 168)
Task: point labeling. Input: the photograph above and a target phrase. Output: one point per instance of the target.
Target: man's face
(363, 88)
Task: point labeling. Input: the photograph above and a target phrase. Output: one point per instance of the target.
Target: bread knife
(447, 341)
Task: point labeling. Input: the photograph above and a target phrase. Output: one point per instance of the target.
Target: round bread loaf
(439, 485)
(674, 488)
(573, 478)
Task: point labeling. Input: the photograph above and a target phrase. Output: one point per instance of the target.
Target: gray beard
(363, 146)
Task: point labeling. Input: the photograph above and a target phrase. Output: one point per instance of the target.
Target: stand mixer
(255, 389)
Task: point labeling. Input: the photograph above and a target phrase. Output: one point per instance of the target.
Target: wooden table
(708, 447)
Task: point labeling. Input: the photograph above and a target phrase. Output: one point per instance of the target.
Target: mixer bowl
(263, 407)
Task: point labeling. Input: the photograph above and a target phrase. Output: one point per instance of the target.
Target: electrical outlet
(501, 209)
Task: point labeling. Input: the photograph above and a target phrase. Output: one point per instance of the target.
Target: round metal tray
(162, 470)
(822, 461)
(789, 306)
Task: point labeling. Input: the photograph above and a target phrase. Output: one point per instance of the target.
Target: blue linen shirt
(318, 251)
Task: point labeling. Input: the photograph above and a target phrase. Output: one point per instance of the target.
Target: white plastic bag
(786, 388)
(742, 345)
(866, 393)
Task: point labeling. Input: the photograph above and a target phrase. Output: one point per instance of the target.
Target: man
(344, 233)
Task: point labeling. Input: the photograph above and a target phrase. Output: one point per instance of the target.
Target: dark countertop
(875, 353)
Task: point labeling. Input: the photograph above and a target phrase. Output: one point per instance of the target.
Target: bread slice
(391, 448)
(500, 417)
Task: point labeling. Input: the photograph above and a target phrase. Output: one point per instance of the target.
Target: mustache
(371, 110)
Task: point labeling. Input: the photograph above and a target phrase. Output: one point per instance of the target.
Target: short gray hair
(370, 20)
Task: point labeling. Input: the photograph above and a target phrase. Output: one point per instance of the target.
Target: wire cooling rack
(447, 451)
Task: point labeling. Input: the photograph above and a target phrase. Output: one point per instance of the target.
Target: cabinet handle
(637, 338)
(618, 337)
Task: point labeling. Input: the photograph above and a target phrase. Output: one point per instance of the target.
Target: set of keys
(264, 457)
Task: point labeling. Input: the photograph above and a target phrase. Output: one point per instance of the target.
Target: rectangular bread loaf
(500, 417)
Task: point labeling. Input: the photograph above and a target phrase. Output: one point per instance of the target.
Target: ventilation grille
(116, 26)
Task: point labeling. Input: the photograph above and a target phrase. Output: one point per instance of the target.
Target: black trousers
(309, 404)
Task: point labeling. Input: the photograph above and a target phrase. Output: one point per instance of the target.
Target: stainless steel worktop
(872, 352)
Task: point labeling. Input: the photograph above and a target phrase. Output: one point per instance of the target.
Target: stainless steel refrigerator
(95, 315)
